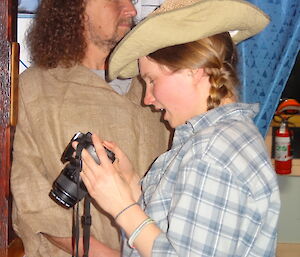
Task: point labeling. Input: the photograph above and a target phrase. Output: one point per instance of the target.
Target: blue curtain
(268, 58)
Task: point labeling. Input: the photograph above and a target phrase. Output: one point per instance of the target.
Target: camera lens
(64, 190)
(68, 188)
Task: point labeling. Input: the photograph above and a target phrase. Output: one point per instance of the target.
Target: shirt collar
(228, 111)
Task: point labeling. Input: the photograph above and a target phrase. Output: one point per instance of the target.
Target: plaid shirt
(215, 192)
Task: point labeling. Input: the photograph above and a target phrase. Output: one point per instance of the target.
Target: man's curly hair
(56, 36)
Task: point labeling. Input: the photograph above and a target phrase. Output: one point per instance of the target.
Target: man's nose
(129, 8)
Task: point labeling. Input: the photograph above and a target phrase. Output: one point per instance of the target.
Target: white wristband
(138, 230)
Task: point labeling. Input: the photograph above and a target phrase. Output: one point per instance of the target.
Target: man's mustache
(126, 21)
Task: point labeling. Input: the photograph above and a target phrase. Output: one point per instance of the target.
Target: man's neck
(95, 58)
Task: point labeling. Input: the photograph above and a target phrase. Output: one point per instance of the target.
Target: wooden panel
(7, 35)
(288, 250)
(15, 249)
(14, 83)
(4, 141)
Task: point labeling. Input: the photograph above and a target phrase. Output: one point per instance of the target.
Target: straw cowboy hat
(181, 21)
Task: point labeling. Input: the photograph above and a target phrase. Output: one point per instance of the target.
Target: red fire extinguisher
(283, 148)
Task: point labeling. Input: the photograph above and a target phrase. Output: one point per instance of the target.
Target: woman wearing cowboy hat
(214, 193)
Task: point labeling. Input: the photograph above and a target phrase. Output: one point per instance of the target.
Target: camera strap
(86, 222)
(86, 218)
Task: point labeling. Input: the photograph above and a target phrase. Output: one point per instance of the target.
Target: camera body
(68, 188)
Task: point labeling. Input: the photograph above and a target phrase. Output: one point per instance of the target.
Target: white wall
(23, 23)
(289, 220)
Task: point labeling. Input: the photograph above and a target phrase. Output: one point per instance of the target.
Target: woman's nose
(149, 98)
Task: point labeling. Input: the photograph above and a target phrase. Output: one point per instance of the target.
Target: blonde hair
(216, 54)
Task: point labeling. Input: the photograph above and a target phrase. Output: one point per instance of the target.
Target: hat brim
(190, 23)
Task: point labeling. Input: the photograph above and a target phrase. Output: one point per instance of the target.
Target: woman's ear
(198, 72)
(200, 78)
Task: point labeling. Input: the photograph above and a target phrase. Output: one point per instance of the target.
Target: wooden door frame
(8, 19)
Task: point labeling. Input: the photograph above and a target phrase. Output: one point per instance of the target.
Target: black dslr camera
(68, 188)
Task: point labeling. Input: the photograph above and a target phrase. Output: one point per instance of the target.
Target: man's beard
(105, 43)
(108, 43)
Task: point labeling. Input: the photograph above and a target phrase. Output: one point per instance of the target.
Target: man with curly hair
(63, 92)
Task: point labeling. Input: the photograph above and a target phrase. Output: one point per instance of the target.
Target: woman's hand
(107, 183)
(124, 167)
(114, 187)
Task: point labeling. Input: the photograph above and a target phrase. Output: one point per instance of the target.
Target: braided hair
(216, 54)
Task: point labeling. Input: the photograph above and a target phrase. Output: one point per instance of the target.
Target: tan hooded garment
(53, 106)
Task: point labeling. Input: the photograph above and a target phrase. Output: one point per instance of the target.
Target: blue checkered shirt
(215, 192)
